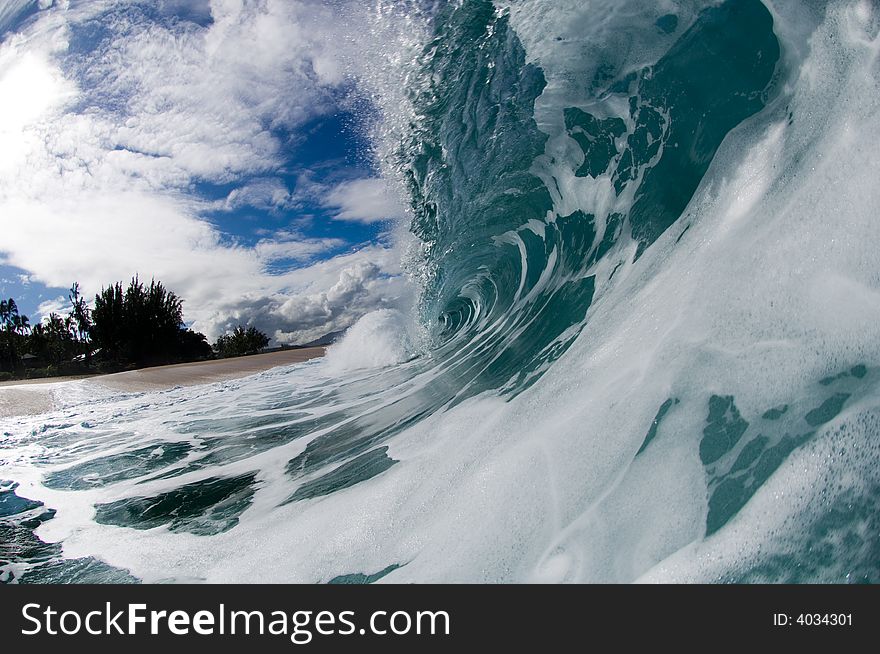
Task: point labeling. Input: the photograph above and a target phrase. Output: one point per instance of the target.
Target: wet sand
(35, 396)
(26, 401)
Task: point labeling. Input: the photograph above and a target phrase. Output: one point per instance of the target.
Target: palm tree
(80, 314)
(10, 319)
(11, 322)
(8, 310)
(21, 324)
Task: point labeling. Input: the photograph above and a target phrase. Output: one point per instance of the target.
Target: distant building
(31, 361)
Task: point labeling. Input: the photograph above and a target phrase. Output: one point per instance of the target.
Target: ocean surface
(645, 346)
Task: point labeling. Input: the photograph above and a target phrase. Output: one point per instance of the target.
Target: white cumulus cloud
(363, 200)
(103, 146)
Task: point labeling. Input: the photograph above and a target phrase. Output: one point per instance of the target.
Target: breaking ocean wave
(646, 345)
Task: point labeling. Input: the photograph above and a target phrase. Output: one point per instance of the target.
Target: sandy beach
(35, 396)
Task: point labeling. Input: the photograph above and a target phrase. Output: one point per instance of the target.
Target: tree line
(127, 327)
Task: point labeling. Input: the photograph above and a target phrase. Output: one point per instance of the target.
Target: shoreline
(34, 396)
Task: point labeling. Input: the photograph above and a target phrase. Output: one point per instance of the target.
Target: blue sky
(219, 146)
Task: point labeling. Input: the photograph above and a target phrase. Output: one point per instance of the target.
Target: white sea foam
(379, 339)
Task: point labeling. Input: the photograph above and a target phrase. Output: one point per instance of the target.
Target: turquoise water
(646, 344)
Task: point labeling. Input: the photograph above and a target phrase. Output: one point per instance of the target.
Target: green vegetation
(13, 328)
(240, 342)
(143, 325)
(128, 327)
(137, 326)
